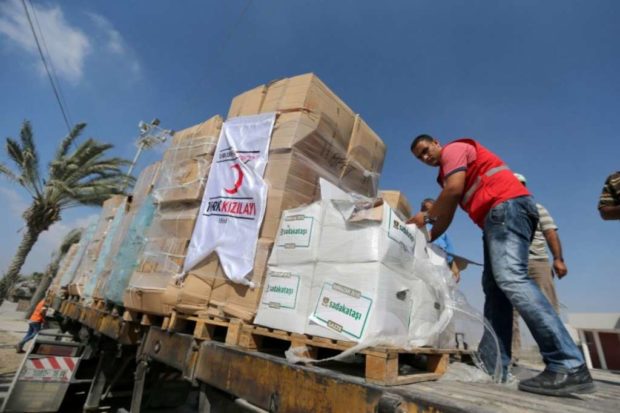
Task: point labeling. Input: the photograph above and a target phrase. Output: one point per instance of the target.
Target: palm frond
(6, 171)
(14, 150)
(30, 157)
(66, 143)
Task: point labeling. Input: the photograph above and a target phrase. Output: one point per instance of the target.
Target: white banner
(235, 197)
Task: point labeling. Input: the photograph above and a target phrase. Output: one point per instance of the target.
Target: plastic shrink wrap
(177, 193)
(315, 135)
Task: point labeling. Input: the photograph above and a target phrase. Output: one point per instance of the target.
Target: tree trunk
(12, 274)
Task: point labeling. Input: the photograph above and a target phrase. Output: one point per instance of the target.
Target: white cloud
(115, 44)
(67, 45)
(17, 205)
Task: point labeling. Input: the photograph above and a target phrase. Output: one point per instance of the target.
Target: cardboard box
(151, 301)
(208, 130)
(163, 255)
(241, 300)
(298, 236)
(144, 185)
(285, 298)
(366, 148)
(305, 93)
(183, 180)
(64, 266)
(359, 301)
(174, 221)
(248, 103)
(372, 235)
(278, 201)
(208, 284)
(308, 92)
(186, 163)
(397, 201)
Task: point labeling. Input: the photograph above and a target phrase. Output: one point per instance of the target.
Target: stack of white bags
(353, 270)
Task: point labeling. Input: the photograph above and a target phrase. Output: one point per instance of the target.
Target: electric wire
(47, 70)
(51, 63)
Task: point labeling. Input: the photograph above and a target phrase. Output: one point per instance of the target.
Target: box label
(399, 233)
(296, 232)
(342, 309)
(281, 290)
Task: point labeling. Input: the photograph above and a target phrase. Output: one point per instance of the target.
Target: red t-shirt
(455, 157)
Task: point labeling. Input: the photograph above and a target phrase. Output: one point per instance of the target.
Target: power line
(232, 29)
(51, 63)
(47, 70)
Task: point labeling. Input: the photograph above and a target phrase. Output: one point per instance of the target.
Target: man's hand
(417, 219)
(560, 268)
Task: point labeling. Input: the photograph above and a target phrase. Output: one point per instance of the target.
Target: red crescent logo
(235, 188)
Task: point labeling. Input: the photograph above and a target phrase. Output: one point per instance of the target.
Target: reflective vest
(488, 182)
(37, 315)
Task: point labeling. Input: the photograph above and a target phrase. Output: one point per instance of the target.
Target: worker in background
(609, 201)
(34, 324)
(538, 265)
(478, 180)
(443, 242)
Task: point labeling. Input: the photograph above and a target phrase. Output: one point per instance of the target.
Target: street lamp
(150, 136)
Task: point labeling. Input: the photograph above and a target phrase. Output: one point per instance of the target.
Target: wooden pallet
(72, 309)
(388, 366)
(144, 319)
(205, 326)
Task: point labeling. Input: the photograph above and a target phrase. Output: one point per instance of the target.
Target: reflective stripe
(477, 182)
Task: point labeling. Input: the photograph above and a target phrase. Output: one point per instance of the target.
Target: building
(599, 334)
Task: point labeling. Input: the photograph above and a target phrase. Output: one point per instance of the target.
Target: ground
(13, 326)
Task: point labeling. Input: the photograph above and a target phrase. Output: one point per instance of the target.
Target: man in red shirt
(478, 180)
(34, 324)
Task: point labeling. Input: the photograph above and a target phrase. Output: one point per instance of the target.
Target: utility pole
(150, 136)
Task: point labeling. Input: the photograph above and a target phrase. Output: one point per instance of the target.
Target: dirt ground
(12, 328)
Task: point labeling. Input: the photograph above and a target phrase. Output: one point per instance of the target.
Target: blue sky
(536, 82)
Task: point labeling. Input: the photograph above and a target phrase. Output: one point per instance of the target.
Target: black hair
(421, 138)
(423, 203)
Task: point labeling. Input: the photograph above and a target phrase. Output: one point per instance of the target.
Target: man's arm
(553, 241)
(609, 212)
(445, 206)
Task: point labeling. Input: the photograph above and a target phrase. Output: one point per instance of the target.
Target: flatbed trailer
(233, 377)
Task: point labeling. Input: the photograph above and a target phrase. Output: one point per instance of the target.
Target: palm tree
(71, 238)
(82, 176)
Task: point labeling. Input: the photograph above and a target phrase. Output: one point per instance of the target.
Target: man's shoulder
(541, 209)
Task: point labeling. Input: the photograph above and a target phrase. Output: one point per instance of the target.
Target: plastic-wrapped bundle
(108, 248)
(315, 135)
(126, 261)
(71, 271)
(64, 265)
(177, 194)
(88, 262)
(186, 163)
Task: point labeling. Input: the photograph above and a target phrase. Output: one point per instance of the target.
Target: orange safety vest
(37, 315)
(488, 182)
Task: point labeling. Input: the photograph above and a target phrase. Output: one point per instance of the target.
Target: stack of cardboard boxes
(63, 267)
(177, 193)
(109, 272)
(315, 135)
(88, 261)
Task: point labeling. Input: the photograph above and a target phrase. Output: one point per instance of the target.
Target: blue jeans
(33, 329)
(508, 231)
